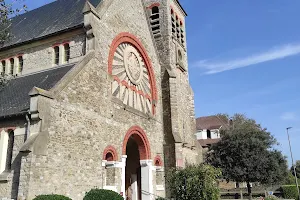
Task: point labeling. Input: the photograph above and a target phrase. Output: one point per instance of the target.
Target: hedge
(100, 194)
(51, 197)
(290, 191)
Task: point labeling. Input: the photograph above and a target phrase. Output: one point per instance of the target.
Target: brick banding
(110, 150)
(139, 136)
(134, 41)
(153, 5)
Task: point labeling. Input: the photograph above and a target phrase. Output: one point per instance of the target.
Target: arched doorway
(138, 175)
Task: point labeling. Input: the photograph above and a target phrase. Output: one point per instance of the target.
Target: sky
(244, 57)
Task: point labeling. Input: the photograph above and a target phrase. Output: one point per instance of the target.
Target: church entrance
(133, 171)
(138, 184)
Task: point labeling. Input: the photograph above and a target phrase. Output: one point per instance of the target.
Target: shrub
(100, 194)
(290, 191)
(51, 197)
(194, 182)
(271, 198)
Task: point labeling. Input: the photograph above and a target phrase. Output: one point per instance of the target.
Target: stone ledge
(4, 176)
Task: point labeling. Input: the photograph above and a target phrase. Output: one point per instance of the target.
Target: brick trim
(112, 150)
(153, 5)
(7, 129)
(158, 160)
(139, 135)
(133, 40)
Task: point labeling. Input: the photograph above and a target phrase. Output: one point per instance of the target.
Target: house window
(56, 55)
(208, 134)
(20, 65)
(3, 63)
(12, 64)
(67, 52)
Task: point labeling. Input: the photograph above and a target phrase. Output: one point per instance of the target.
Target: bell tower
(167, 24)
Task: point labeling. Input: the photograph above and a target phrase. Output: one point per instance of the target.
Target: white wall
(202, 134)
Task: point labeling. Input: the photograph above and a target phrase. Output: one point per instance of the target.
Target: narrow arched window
(67, 52)
(56, 55)
(12, 64)
(3, 63)
(109, 157)
(20, 65)
(10, 147)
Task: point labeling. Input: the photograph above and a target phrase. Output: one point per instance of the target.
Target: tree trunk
(249, 191)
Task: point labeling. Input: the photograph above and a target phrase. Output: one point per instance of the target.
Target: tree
(8, 10)
(297, 169)
(245, 154)
(194, 182)
(4, 80)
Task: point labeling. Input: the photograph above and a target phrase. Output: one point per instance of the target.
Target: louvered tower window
(154, 21)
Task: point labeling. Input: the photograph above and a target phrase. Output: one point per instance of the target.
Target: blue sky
(244, 57)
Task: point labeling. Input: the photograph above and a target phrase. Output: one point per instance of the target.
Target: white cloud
(289, 116)
(281, 52)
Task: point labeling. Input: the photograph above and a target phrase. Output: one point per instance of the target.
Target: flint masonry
(100, 98)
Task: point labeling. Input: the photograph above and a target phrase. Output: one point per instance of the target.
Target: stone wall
(85, 119)
(9, 183)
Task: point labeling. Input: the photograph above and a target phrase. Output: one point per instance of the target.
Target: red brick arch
(110, 150)
(133, 40)
(139, 135)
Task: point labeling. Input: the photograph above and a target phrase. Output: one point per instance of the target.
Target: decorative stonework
(130, 67)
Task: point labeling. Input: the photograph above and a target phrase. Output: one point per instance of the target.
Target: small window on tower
(155, 22)
(20, 66)
(56, 55)
(67, 52)
(155, 10)
(12, 64)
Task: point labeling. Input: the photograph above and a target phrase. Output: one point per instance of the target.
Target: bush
(100, 194)
(51, 197)
(194, 182)
(271, 198)
(290, 191)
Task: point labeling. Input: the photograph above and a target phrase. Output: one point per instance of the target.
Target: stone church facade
(100, 98)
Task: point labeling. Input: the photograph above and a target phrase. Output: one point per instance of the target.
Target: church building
(99, 98)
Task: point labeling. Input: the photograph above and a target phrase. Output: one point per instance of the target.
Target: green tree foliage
(297, 169)
(194, 182)
(246, 154)
(4, 80)
(100, 194)
(51, 197)
(8, 10)
(290, 192)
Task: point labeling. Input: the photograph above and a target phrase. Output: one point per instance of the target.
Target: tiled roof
(49, 19)
(210, 122)
(14, 98)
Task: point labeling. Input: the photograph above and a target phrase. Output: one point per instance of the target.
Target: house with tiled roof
(209, 130)
(99, 97)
